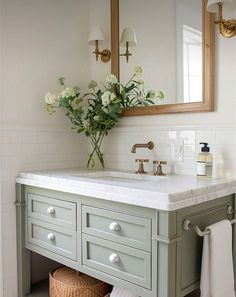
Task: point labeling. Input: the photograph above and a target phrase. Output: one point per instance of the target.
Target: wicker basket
(66, 282)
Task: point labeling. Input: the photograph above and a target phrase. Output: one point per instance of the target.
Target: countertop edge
(141, 202)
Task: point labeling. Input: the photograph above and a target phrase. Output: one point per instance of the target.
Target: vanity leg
(23, 255)
(234, 239)
(168, 248)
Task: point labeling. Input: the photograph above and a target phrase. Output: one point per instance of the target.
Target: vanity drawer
(126, 229)
(56, 239)
(53, 211)
(117, 260)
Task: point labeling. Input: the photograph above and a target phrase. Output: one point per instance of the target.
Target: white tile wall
(222, 141)
(30, 149)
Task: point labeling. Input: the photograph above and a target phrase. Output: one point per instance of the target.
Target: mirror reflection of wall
(189, 50)
(169, 46)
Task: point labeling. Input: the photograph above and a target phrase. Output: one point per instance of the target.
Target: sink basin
(117, 176)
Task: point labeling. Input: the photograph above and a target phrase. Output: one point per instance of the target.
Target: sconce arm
(105, 54)
(127, 53)
(227, 28)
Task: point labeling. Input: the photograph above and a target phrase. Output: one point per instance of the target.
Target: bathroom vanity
(122, 228)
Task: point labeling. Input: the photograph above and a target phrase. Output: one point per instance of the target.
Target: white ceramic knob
(114, 258)
(114, 226)
(50, 210)
(51, 237)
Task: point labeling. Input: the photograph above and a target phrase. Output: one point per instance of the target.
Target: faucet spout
(149, 145)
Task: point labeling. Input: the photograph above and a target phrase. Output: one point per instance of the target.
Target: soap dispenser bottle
(204, 161)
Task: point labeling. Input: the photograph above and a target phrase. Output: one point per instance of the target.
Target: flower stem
(96, 141)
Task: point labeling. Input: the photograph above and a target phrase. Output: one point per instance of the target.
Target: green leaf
(130, 88)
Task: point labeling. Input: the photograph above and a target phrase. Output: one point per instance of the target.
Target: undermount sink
(117, 176)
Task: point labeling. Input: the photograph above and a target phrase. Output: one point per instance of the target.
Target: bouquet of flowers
(97, 111)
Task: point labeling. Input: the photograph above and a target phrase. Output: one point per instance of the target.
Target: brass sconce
(96, 35)
(128, 39)
(227, 28)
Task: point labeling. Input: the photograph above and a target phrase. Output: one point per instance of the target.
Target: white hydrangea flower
(86, 124)
(96, 118)
(138, 70)
(111, 79)
(152, 94)
(105, 109)
(51, 98)
(76, 89)
(141, 82)
(49, 109)
(92, 85)
(107, 97)
(68, 92)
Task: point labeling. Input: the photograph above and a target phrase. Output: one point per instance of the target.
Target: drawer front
(56, 239)
(118, 227)
(117, 260)
(53, 211)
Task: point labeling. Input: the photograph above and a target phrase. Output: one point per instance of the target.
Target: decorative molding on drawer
(130, 230)
(54, 211)
(53, 238)
(114, 259)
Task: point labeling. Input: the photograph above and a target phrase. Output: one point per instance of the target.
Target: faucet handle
(159, 164)
(142, 160)
(141, 167)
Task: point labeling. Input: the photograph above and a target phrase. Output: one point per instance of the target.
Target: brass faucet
(149, 145)
(159, 164)
(141, 166)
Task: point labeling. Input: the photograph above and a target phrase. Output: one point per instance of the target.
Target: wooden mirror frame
(208, 68)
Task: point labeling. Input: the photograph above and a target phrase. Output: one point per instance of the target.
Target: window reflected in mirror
(168, 46)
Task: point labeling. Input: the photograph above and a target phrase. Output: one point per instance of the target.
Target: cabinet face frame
(208, 90)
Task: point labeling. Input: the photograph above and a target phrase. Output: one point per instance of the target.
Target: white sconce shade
(212, 5)
(96, 33)
(128, 35)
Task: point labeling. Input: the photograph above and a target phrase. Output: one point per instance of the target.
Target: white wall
(100, 15)
(40, 41)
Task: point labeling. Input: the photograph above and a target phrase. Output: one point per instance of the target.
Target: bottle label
(209, 169)
(201, 169)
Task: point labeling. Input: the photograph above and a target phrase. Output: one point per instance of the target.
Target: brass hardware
(187, 224)
(230, 210)
(149, 145)
(127, 53)
(19, 203)
(159, 171)
(227, 28)
(105, 54)
(141, 167)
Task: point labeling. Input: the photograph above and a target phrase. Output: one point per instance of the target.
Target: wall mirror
(175, 46)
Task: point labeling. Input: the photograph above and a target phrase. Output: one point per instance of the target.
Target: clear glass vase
(96, 155)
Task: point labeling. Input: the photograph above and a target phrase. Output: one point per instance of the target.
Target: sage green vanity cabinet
(142, 249)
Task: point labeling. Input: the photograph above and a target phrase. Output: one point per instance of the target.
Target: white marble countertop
(165, 193)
